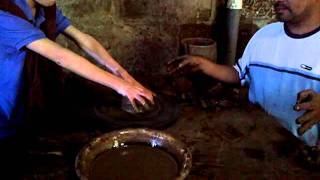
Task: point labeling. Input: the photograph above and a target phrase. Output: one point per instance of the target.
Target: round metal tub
(121, 139)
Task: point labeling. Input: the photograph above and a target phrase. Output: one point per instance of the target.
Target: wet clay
(134, 162)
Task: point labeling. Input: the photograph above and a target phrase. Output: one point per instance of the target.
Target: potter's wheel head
(163, 114)
(150, 110)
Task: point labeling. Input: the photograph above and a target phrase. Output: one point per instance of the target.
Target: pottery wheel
(163, 114)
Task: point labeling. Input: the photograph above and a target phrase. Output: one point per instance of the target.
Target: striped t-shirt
(277, 65)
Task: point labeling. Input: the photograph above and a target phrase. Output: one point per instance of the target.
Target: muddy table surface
(232, 143)
(239, 143)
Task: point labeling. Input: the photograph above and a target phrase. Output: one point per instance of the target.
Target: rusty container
(199, 46)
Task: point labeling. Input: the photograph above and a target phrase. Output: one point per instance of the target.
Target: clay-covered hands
(308, 101)
(186, 64)
(134, 91)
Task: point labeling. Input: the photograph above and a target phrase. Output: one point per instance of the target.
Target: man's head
(46, 3)
(295, 11)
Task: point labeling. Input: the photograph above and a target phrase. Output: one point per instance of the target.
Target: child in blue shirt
(22, 34)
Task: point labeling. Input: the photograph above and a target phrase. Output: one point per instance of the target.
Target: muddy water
(135, 162)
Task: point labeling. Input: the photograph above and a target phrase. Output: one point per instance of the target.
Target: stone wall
(255, 14)
(260, 12)
(142, 34)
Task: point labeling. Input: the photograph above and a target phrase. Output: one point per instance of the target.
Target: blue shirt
(273, 65)
(15, 34)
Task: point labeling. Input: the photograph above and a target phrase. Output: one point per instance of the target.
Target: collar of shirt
(38, 20)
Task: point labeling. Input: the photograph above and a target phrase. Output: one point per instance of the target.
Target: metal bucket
(204, 47)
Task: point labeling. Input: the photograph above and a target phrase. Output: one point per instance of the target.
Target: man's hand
(185, 64)
(309, 101)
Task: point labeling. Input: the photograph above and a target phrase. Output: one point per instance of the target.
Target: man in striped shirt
(281, 66)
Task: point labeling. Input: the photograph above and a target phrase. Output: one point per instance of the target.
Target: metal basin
(121, 139)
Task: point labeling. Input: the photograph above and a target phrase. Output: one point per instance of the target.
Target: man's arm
(84, 68)
(222, 73)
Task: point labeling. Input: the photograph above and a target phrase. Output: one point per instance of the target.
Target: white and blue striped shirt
(277, 65)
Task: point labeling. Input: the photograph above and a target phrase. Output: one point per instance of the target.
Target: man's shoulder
(272, 30)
